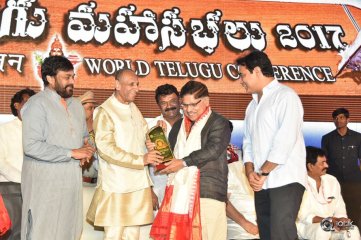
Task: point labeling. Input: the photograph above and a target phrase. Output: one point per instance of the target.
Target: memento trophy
(157, 136)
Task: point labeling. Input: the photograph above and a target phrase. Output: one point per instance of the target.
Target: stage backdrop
(176, 41)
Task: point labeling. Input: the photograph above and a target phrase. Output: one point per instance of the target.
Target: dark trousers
(351, 193)
(277, 210)
(11, 193)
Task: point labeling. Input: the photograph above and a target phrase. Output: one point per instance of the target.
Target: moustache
(325, 169)
(170, 109)
(70, 85)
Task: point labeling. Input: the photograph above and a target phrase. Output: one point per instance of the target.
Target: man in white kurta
(11, 161)
(167, 98)
(321, 199)
(122, 201)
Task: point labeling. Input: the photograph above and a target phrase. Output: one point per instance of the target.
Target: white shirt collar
(266, 89)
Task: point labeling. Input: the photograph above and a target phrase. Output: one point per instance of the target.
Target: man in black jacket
(210, 159)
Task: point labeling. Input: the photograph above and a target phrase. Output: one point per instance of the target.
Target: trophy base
(160, 166)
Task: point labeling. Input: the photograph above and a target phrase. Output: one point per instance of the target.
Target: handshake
(337, 224)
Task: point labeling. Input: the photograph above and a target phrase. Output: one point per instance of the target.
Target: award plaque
(157, 136)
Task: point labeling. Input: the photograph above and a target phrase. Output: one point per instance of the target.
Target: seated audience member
(240, 209)
(322, 199)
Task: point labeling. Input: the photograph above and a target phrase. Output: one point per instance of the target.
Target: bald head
(126, 86)
(120, 74)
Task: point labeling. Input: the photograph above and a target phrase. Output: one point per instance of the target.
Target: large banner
(175, 41)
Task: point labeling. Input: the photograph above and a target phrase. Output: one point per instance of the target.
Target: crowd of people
(66, 162)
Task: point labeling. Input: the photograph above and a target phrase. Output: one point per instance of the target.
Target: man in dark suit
(343, 152)
(207, 150)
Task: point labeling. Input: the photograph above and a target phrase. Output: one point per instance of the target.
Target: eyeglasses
(193, 105)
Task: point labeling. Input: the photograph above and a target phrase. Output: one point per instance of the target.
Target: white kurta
(327, 202)
(159, 180)
(11, 151)
(123, 196)
(11, 161)
(241, 196)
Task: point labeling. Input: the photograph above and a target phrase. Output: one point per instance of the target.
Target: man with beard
(55, 145)
(322, 199)
(343, 151)
(122, 201)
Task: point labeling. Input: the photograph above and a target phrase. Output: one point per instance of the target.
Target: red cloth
(231, 154)
(172, 226)
(5, 222)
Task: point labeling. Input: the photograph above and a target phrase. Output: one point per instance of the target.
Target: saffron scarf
(5, 222)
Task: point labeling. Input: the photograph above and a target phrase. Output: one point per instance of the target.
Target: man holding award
(194, 201)
(122, 201)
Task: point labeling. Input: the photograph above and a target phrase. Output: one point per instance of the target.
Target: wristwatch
(261, 173)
